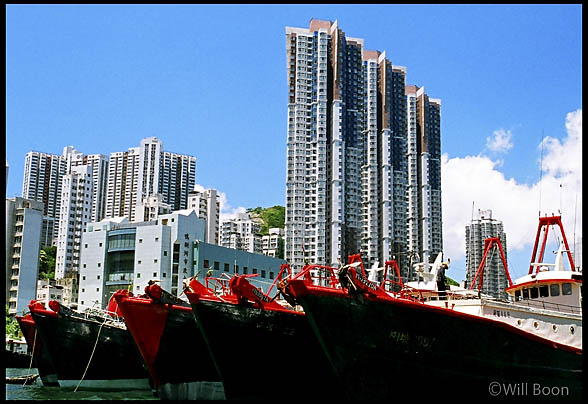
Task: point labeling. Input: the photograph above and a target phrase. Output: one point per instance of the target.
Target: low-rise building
(273, 243)
(117, 254)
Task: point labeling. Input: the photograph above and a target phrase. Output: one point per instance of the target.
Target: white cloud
(476, 179)
(226, 210)
(500, 142)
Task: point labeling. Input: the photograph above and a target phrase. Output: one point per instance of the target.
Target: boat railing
(320, 275)
(541, 304)
(94, 313)
(219, 286)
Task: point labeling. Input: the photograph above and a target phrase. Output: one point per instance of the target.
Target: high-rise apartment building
(144, 171)
(495, 279)
(273, 243)
(42, 181)
(241, 233)
(425, 238)
(77, 198)
(43, 174)
(346, 150)
(206, 203)
(24, 219)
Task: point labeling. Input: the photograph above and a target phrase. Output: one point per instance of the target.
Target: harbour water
(37, 391)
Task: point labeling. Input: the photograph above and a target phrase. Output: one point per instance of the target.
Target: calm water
(37, 391)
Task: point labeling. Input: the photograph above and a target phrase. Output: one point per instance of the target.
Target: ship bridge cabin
(556, 289)
(551, 290)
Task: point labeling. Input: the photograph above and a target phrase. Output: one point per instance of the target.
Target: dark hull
(173, 350)
(259, 353)
(17, 359)
(115, 365)
(383, 350)
(41, 358)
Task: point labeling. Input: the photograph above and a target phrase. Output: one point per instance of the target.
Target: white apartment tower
(346, 150)
(206, 203)
(42, 181)
(24, 218)
(144, 171)
(77, 197)
(241, 233)
(151, 208)
(425, 239)
(495, 279)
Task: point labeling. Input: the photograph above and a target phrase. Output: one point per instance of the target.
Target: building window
(138, 275)
(154, 274)
(263, 273)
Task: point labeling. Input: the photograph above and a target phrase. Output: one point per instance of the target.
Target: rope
(92, 355)
(32, 354)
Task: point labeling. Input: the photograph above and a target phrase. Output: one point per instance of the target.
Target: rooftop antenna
(575, 216)
(560, 188)
(541, 170)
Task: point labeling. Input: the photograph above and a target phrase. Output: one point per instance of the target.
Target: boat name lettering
(501, 313)
(406, 339)
(257, 293)
(364, 281)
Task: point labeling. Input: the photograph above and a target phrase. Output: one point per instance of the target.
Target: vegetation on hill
(47, 262)
(270, 217)
(12, 327)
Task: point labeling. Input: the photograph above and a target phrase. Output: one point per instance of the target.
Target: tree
(12, 327)
(47, 262)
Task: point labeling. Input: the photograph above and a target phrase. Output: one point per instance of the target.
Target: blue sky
(210, 81)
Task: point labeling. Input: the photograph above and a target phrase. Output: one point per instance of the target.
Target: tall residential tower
(347, 168)
(424, 175)
(495, 279)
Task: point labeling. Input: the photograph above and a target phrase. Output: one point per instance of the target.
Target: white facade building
(42, 181)
(144, 171)
(24, 220)
(151, 208)
(77, 197)
(241, 233)
(273, 243)
(117, 254)
(206, 203)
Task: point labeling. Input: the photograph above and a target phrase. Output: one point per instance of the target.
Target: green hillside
(269, 217)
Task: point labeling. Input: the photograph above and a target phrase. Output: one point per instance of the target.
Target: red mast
(549, 221)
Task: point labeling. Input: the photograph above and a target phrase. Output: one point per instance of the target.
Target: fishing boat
(260, 343)
(163, 329)
(41, 359)
(90, 349)
(383, 344)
